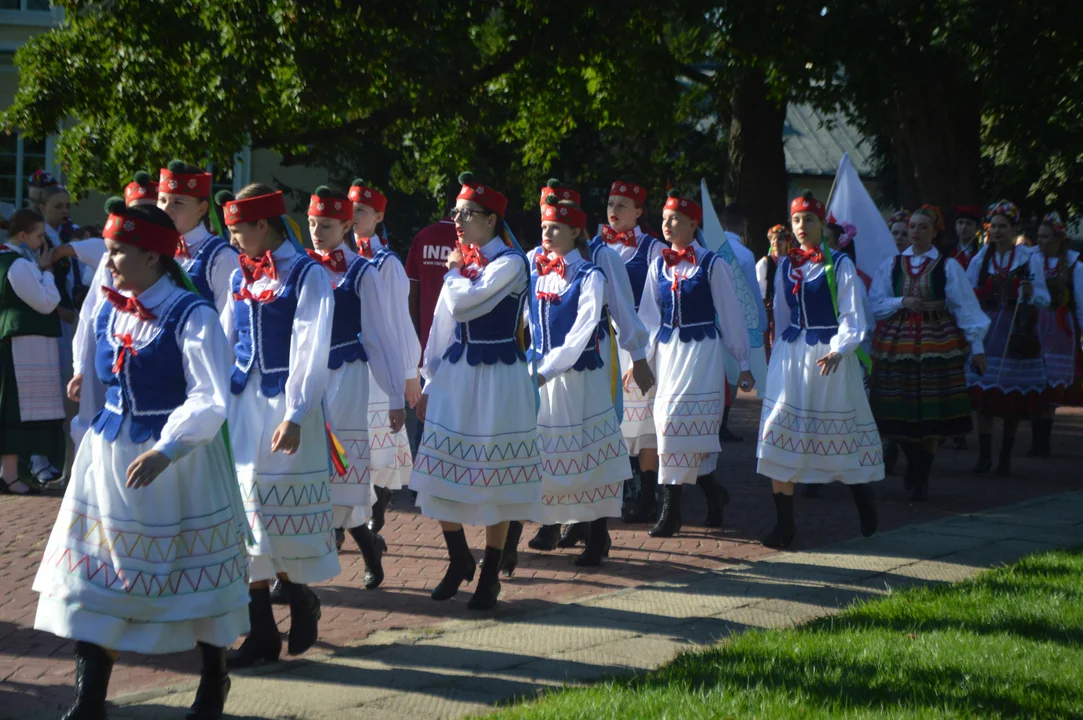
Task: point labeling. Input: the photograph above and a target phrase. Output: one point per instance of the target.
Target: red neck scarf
(127, 304)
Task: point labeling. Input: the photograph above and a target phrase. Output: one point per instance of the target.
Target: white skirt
(347, 413)
(816, 429)
(391, 459)
(287, 497)
(478, 460)
(688, 407)
(637, 425)
(584, 458)
(151, 570)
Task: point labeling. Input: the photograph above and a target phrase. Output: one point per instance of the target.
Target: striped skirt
(918, 388)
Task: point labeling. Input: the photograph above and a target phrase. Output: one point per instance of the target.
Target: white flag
(852, 204)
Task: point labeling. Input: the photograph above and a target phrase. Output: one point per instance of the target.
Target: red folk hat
(970, 212)
(684, 206)
(490, 199)
(140, 188)
(137, 232)
(367, 196)
(250, 210)
(805, 202)
(630, 190)
(321, 205)
(553, 211)
(175, 181)
(553, 187)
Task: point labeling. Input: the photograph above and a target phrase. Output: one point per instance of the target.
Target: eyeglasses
(465, 214)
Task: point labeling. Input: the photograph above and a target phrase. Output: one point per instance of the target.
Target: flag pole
(831, 192)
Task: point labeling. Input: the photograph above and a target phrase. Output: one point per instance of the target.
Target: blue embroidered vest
(490, 338)
(811, 308)
(150, 384)
(199, 267)
(265, 330)
(346, 344)
(550, 322)
(689, 308)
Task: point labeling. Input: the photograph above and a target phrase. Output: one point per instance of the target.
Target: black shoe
(811, 490)
(263, 644)
(866, 509)
(985, 454)
(304, 617)
(645, 509)
(669, 520)
(1004, 463)
(93, 667)
(379, 508)
(784, 531)
(372, 548)
(598, 544)
(716, 497)
(571, 534)
(546, 538)
(891, 456)
(278, 593)
(488, 589)
(509, 559)
(460, 568)
(724, 434)
(213, 685)
(340, 538)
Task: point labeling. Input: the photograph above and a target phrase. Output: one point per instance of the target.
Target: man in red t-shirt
(426, 265)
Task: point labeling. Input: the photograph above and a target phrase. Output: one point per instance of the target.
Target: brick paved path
(36, 668)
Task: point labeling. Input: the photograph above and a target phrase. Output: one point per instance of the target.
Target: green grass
(1006, 644)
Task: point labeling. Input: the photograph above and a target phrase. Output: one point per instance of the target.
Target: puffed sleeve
(1036, 268)
(973, 270)
(583, 330)
(226, 317)
(468, 300)
(34, 287)
(650, 310)
(83, 343)
(89, 252)
(381, 344)
(882, 292)
(964, 307)
(207, 361)
(310, 345)
(225, 262)
(761, 276)
(441, 335)
(631, 334)
(730, 316)
(854, 321)
(397, 306)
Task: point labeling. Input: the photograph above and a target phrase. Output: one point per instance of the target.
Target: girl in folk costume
(931, 324)
(618, 314)
(899, 225)
(781, 240)
(584, 458)
(968, 234)
(152, 506)
(816, 425)
(689, 298)
(478, 460)
(638, 251)
(391, 458)
(280, 324)
(31, 402)
(1009, 281)
(1058, 327)
(361, 342)
(184, 193)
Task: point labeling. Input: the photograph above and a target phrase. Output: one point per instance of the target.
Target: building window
(25, 5)
(19, 158)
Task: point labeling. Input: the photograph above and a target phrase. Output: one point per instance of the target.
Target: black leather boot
(379, 508)
(669, 519)
(278, 593)
(866, 508)
(910, 477)
(571, 534)
(716, 497)
(372, 548)
(724, 434)
(646, 505)
(546, 538)
(509, 560)
(213, 685)
(1004, 464)
(784, 531)
(488, 589)
(985, 454)
(891, 456)
(304, 617)
(923, 463)
(460, 567)
(598, 544)
(93, 667)
(263, 644)
(340, 538)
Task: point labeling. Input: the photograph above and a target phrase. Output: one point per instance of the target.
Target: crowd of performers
(242, 400)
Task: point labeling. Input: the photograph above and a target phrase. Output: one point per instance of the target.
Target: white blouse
(397, 305)
(584, 330)
(855, 317)
(761, 276)
(631, 332)
(207, 362)
(723, 294)
(34, 286)
(462, 300)
(627, 253)
(1031, 257)
(310, 342)
(221, 270)
(959, 296)
(1077, 282)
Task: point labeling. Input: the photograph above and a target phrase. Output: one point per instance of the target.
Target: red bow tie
(263, 266)
(364, 248)
(335, 261)
(675, 257)
(182, 250)
(547, 265)
(246, 294)
(799, 257)
(471, 255)
(612, 237)
(127, 304)
(125, 348)
(551, 298)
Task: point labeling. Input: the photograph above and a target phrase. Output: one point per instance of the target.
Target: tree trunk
(756, 178)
